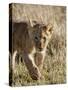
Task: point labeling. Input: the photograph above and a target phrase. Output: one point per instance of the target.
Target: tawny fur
(31, 42)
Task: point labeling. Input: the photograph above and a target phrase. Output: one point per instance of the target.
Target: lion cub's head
(41, 34)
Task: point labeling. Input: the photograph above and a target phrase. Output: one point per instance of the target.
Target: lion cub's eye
(36, 38)
(44, 38)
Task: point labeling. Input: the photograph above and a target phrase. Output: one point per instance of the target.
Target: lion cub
(31, 41)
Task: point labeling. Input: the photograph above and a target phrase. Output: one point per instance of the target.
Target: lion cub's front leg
(39, 59)
(31, 66)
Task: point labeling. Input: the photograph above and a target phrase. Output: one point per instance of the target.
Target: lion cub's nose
(40, 48)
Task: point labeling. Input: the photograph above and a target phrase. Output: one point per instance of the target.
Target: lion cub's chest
(37, 57)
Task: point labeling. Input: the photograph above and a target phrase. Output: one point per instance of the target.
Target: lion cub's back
(20, 38)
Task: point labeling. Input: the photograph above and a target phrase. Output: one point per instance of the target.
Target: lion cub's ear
(48, 28)
(32, 22)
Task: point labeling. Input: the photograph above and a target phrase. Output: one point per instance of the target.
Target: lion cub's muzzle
(41, 47)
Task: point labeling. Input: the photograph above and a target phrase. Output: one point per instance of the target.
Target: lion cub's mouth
(39, 49)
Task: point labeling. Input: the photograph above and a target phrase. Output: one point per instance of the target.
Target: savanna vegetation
(54, 68)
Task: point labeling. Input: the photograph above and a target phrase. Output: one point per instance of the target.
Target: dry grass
(54, 69)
